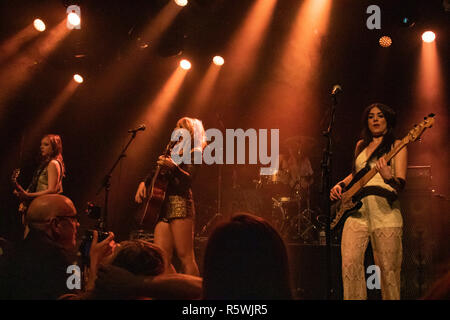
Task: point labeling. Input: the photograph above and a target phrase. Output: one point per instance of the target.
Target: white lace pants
(387, 252)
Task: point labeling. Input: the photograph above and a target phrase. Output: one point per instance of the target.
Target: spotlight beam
(204, 91)
(119, 72)
(298, 63)
(38, 127)
(18, 71)
(11, 46)
(242, 51)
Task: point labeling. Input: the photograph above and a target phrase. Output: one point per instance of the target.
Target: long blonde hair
(194, 126)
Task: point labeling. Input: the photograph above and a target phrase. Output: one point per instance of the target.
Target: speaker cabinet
(425, 233)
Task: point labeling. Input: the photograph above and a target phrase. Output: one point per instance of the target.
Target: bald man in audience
(37, 268)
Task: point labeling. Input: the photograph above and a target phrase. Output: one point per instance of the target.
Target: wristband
(396, 183)
(342, 184)
(390, 181)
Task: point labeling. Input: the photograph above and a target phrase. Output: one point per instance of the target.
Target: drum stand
(295, 227)
(304, 220)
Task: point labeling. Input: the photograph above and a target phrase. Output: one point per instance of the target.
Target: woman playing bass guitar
(379, 217)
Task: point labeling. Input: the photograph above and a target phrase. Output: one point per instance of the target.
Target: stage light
(39, 25)
(185, 64)
(181, 3)
(218, 60)
(78, 78)
(73, 17)
(428, 36)
(385, 41)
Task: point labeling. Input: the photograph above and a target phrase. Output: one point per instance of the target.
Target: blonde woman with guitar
(169, 204)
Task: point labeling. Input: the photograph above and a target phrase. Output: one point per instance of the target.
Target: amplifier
(418, 178)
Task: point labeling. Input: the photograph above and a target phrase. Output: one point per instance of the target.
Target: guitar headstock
(15, 175)
(418, 129)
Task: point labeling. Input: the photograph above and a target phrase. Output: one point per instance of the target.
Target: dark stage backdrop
(94, 120)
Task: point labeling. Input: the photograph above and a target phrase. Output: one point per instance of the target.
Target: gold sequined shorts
(177, 207)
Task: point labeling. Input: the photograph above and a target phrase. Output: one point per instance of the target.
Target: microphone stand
(218, 214)
(106, 183)
(325, 190)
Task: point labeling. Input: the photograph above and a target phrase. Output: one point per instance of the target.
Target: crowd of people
(137, 269)
(44, 261)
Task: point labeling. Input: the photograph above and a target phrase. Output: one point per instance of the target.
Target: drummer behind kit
(289, 189)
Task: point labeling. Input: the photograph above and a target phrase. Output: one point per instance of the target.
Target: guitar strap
(390, 196)
(34, 181)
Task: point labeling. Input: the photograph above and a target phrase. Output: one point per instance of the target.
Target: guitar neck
(358, 185)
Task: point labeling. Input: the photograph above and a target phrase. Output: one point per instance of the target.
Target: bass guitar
(350, 201)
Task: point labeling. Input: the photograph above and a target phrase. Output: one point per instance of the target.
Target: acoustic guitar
(350, 200)
(156, 193)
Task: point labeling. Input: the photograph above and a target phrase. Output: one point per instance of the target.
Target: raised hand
(336, 192)
(141, 193)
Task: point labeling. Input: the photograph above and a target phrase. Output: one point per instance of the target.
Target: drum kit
(291, 211)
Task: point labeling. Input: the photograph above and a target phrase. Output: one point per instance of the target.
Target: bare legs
(178, 234)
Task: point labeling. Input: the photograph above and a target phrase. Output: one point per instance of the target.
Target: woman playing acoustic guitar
(175, 225)
(379, 217)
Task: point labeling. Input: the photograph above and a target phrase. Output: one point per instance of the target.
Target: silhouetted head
(246, 258)
(139, 257)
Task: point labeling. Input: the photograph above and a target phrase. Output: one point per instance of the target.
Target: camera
(86, 243)
(93, 211)
(102, 235)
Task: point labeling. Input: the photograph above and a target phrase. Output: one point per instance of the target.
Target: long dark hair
(366, 135)
(246, 258)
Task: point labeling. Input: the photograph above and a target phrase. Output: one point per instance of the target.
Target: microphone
(140, 128)
(336, 90)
